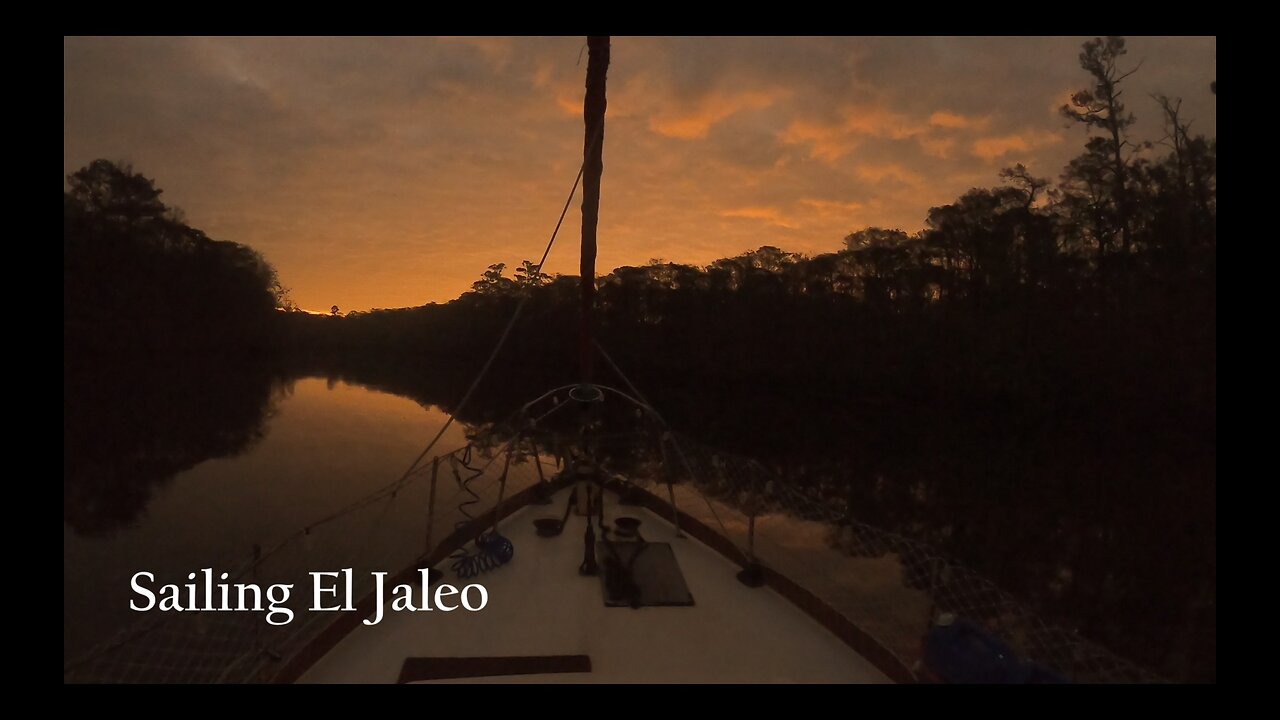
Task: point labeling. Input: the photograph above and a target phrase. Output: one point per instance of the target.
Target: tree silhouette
(492, 282)
(1021, 178)
(113, 193)
(1100, 107)
(874, 236)
(529, 276)
(136, 279)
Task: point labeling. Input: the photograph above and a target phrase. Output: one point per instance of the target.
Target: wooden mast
(593, 166)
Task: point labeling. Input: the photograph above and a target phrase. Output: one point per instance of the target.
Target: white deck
(539, 605)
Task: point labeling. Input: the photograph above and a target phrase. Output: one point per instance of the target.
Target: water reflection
(128, 430)
(173, 471)
(170, 471)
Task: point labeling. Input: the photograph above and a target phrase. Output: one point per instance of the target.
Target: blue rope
(492, 549)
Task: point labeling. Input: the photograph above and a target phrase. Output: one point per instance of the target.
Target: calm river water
(319, 446)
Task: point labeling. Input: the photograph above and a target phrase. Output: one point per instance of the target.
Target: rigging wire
(506, 333)
(392, 487)
(493, 550)
(669, 435)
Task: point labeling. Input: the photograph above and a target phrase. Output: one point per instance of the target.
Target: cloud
(769, 215)
(996, 147)
(497, 51)
(956, 121)
(831, 206)
(826, 142)
(694, 122)
(381, 172)
(830, 141)
(888, 171)
(937, 147)
(881, 122)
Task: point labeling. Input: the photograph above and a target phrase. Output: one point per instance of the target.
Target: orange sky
(387, 172)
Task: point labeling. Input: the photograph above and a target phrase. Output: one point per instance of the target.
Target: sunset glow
(390, 172)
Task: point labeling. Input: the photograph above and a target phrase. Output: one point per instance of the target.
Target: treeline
(1029, 382)
(166, 346)
(139, 282)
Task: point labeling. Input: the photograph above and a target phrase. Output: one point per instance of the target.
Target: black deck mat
(640, 574)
